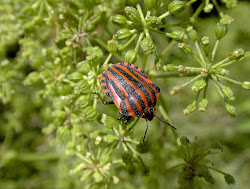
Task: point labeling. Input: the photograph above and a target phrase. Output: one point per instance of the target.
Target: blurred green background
(31, 159)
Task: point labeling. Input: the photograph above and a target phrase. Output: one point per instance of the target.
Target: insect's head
(149, 115)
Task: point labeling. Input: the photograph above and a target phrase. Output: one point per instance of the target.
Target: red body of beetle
(131, 91)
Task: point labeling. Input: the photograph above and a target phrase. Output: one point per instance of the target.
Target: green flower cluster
(52, 55)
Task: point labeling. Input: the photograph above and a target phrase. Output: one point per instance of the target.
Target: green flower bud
(110, 138)
(32, 79)
(204, 172)
(222, 71)
(63, 88)
(246, 85)
(144, 171)
(115, 180)
(229, 179)
(75, 76)
(182, 69)
(119, 20)
(131, 169)
(176, 7)
(82, 87)
(176, 90)
(228, 93)
(59, 102)
(108, 121)
(133, 14)
(86, 174)
(179, 36)
(94, 60)
(153, 21)
(236, 55)
(94, 51)
(192, 33)
(198, 85)
(121, 47)
(158, 63)
(184, 141)
(217, 145)
(168, 67)
(82, 102)
(190, 108)
(203, 105)
(89, 114)
(63, 133)
(83, 67)
(186, 48)
(143, 147)
(147, 45)
(112, 47)
(123, 34)
(131, 56)
(205, 45)
(246, 55)
(204, 72)
(208, 8)
(226, 19)
(150, 4)
(127, 158)
(230, 109)
(220, 30)
(230, 3)
(97, 177)
(29, 27)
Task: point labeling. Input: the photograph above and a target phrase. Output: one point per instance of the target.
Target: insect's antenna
(166, 123)
(145, 131)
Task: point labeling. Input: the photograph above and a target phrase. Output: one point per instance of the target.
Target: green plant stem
(132, 126)
(164, 15)
(188, 152)
(138, 6)
(130, 40)
(217, 87)
(205, 89)
(179, 165)
(228, 79)
(105, 64)
(83, 158)
(231, 62)
(218, 8)
(165, 116)
(198, 11)
(145, 57)
(215, 169)
(215, 49)
(190, 2)
(37, 156)
(139, 41)
(192, 80)
(220, 63)
(169, 46)
(203, 63)
(132, 148)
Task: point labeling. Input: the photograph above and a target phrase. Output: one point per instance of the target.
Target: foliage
(55, 131)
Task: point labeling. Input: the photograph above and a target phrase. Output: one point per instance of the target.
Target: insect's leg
(127, 119)
(104, 102)
(120, 117)
(145, 132)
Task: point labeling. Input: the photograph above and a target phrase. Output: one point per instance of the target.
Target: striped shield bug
(128, 87)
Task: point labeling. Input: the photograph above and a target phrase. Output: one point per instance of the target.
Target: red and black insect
(131, 91)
